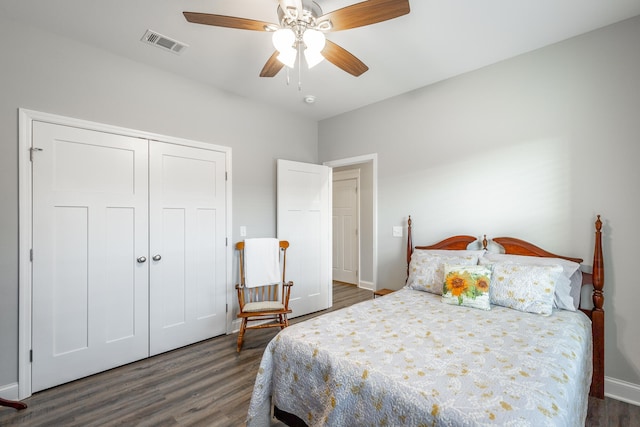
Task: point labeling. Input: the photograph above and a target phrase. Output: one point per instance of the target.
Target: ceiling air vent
(163, 42)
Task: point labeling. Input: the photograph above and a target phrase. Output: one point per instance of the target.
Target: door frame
(343, 176)
(25, 209)
(352, 161)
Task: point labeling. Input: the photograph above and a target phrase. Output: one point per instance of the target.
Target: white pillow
(563, 298)
(566, 297)
(576, 288)
(528, 288)
(452, 252)
(426, 270)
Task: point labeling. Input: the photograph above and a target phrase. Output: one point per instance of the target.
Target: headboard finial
(598, 224)
(409, 244)
(485, 242)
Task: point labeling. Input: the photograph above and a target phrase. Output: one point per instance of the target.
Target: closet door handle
(156, 258)
(141, 259)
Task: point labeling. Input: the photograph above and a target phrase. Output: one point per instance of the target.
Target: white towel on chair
(261, 262)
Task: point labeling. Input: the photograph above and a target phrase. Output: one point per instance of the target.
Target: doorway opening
(366, 258)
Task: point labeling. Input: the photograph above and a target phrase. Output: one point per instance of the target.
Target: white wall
(533, 147)
(43, 72)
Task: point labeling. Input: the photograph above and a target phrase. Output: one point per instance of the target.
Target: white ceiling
(437, 40)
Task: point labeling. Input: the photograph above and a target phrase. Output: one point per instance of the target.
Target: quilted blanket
(408, 359)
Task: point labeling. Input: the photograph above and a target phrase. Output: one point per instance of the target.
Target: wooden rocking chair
(263, 303)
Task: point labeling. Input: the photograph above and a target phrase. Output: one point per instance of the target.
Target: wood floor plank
(205, 384)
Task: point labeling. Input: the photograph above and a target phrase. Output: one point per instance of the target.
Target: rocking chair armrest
(286, 293)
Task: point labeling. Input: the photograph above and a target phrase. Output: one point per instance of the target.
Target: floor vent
(163, 42)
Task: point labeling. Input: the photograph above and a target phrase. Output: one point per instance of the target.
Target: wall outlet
(396, 231)
(243, 231)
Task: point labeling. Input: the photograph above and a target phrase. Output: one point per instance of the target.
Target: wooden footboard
(520, 247)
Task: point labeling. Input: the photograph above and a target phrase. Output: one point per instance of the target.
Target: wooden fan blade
(272, 67)
(341, 58)
(366, 13)
(226, 21)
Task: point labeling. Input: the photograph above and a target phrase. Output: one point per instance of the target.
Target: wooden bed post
(597, 316)
(409, 246)
(13, 404)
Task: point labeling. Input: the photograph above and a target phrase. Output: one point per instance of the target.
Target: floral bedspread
(408, 359)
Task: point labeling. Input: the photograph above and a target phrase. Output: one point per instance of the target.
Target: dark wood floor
(205, 384)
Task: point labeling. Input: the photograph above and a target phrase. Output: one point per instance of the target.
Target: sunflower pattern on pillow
(467, 285)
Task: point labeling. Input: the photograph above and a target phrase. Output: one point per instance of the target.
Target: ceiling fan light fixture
(288, 57)
(324, 25)
(297, 16)
(292, 13)
(271, 28)
(283, 39)
(314, 40)
(312, 57)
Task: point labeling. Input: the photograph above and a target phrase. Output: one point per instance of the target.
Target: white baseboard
(370, 286)
(622, 390)
(235, 326)
(9, 391)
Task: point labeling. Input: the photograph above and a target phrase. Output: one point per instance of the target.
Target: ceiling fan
(301, 28)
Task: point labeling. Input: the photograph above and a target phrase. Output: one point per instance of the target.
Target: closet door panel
(90, 223)
(120, 250)
(206, 296)
(187, 243)
(170, 285)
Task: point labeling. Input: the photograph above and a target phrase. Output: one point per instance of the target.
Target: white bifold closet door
(129, 250)
(188, 250)
(90, 213)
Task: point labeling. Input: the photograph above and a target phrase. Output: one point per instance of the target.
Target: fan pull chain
(299, 68)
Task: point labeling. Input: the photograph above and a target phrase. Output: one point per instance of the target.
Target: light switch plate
(243, 231)
(397, 231)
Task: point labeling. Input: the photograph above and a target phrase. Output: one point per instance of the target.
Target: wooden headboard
(520, 247)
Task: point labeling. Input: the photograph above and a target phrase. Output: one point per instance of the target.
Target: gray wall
(47, 73)
(532, 147)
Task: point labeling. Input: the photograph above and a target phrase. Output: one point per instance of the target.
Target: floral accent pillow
(467, 285)
(528, 288)
(426, 270)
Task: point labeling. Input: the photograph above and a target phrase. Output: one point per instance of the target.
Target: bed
(416, 357)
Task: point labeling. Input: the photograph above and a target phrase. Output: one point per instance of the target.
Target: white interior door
(304, 219)
(345, 230)
(187, 205)
(90, 296)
